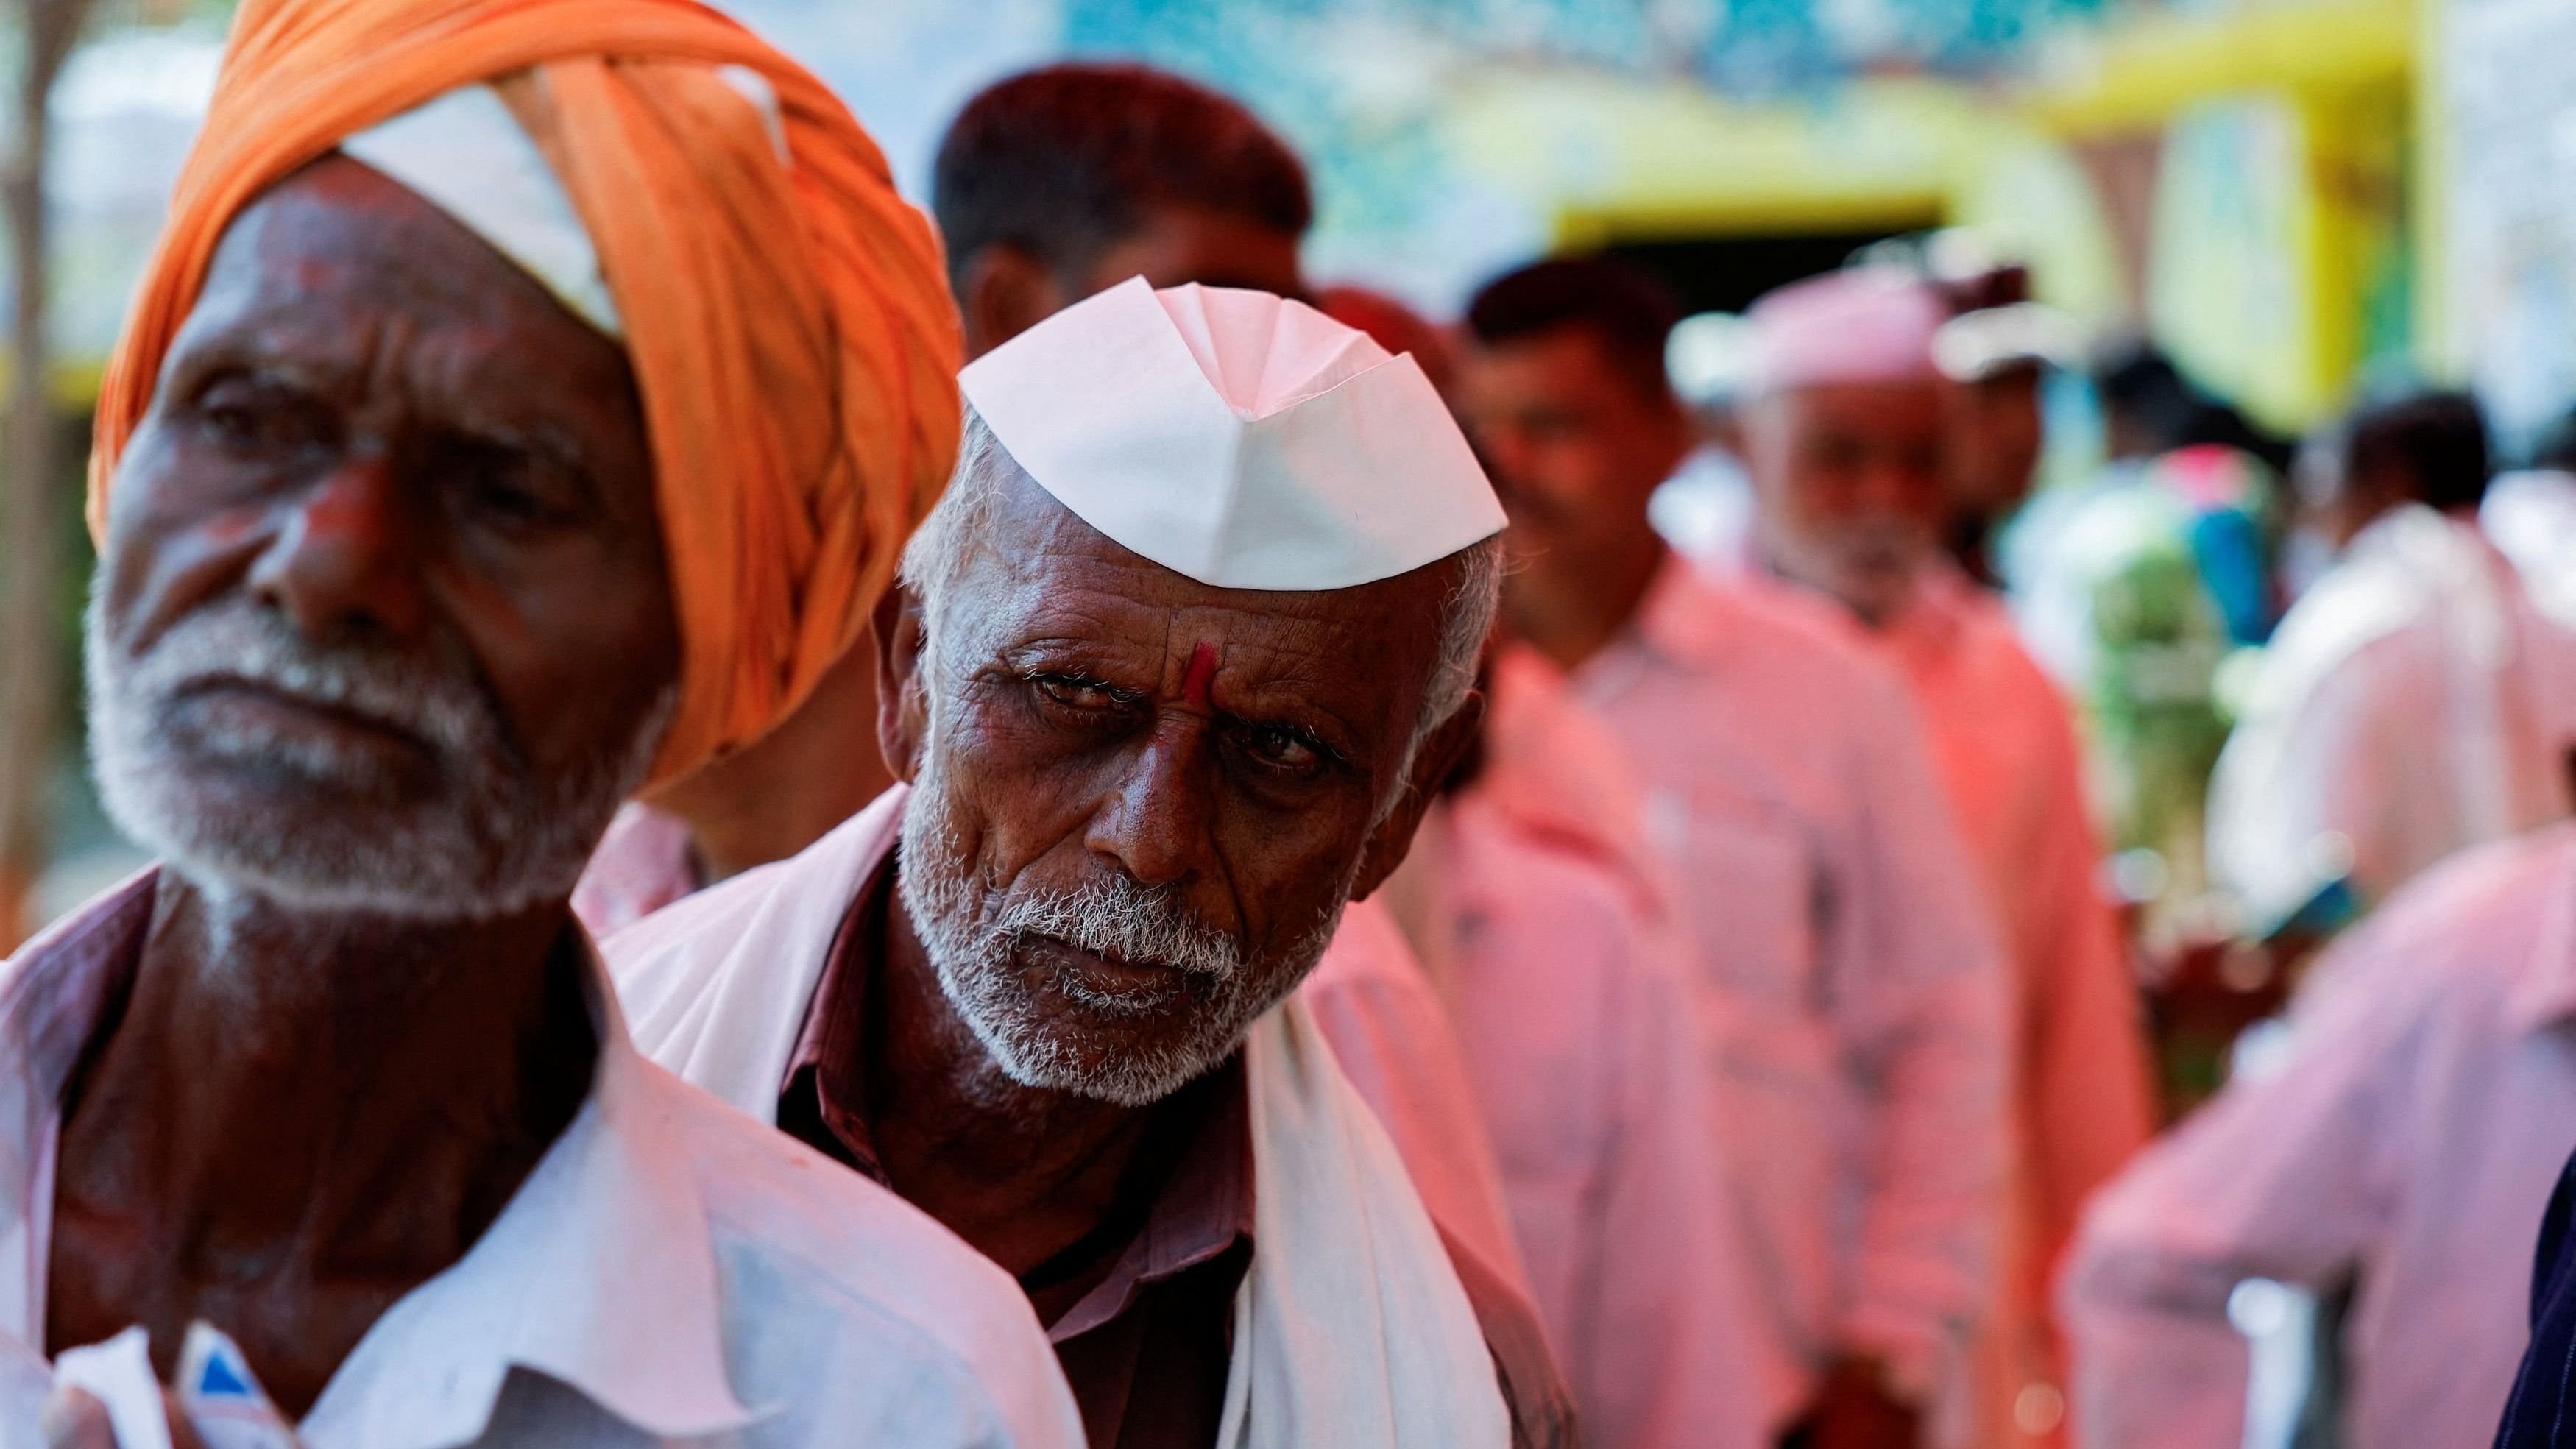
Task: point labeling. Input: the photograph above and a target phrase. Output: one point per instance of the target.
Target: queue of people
(783, 821)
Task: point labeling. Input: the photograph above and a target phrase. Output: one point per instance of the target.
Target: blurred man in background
(1996, 360)
(2400, 1152)
(2133, 588)
(2402, 710)
(1551, 937)
(1842, 960)
(1060, 182)
(1847, 440)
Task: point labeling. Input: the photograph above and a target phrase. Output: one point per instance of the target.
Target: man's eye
(502, 485)
(1283, 748)
(253, 417)
(1074, 692)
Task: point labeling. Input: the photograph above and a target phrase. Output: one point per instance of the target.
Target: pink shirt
(1842, 963)
(1588, 1065)
(2407, 1147)
(1546, 931)
(1394, 1042)
(2006, 749)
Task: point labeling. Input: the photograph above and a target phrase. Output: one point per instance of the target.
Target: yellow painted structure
(2277, 306)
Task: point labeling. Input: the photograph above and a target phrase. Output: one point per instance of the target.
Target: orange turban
(789, 324)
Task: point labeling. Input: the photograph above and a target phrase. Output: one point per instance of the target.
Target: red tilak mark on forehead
(1194, 685)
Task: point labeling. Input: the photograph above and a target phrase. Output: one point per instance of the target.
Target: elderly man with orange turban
(527, 402)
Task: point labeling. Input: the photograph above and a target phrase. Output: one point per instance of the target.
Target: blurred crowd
(1980, 820)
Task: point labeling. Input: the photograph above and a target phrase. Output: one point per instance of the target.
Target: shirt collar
(1683, 614)
(600, 1272)
(1935, 612)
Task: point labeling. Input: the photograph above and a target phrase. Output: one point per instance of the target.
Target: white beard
(321, 828)
(971, 933)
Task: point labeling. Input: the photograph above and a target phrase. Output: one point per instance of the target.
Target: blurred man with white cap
(1176, 662)
(1841, 963)
(1847, 441)
(1996, 360)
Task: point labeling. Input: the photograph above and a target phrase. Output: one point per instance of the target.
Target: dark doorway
(1725, 273)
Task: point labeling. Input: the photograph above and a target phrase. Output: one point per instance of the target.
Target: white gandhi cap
(464, 153)
(1238, 438)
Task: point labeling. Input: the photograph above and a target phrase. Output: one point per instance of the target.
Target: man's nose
(1156, 823)
(342, 555)
(1889, 486)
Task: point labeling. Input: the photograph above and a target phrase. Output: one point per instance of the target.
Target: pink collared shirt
(1575, 1015)
(1843, 963)
(2005, 746)
(1566, 972)
(2407, 1147)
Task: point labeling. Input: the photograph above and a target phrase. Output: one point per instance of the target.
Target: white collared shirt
(2402, 712)
(669, 1272)
(2407, 1146)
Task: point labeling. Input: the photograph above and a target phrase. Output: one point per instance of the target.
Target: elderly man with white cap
(1846, 441)
(1176, 661)
(1841, 959)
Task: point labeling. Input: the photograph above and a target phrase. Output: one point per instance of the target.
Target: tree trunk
(32, 491)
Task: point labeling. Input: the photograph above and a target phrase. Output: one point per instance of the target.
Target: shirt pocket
(1749, 892)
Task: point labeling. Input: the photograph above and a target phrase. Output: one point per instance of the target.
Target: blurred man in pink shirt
(1529, 901)
(1846, 444)
(1556, 950)
(1841, 958)
(2403, 1149)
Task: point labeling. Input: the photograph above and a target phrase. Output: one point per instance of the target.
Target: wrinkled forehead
(1039, 572)
(339, 238)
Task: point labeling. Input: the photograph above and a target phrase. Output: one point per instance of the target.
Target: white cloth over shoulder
(1351, 1328)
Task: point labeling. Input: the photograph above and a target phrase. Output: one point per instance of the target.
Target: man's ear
(1003, 291)
(1432, 765)
(1727, 432)
(903, 715)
